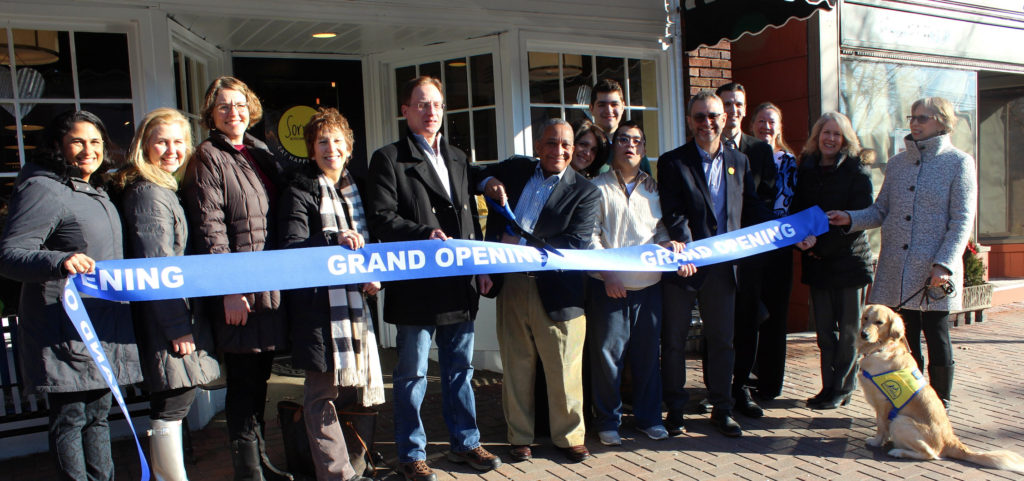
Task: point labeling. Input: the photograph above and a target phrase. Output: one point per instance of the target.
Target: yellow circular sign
(290, 129)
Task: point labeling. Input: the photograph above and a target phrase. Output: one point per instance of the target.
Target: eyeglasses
(919, 118)
(428, 105)
(227, 108)
(627, 140)
(702, 117)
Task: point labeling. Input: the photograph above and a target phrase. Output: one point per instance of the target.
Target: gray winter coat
(926, 211)
(51, 217)
(154, 224)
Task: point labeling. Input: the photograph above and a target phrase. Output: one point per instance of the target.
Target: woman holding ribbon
(61, 222)
(229, 190)
(332, 336)
(930, 191)
(832, 175)
(175, 342)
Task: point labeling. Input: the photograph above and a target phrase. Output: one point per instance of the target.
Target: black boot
(245, 456)
(271, 472)
(941, 379)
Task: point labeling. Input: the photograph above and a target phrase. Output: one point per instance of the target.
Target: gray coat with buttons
(926, 211)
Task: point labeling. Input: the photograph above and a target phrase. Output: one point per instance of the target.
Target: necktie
(730, 144)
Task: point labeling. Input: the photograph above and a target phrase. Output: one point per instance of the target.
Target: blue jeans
(455, 355)
(620, 329)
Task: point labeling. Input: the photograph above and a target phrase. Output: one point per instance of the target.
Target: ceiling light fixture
(325, 35)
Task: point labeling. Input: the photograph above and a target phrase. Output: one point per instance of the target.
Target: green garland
(974, 269)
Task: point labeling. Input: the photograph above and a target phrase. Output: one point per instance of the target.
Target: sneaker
(610, 438)
(416, 471)
(656, 432)
(478, 458)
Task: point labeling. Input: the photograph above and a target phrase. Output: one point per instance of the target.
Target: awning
(706, 22)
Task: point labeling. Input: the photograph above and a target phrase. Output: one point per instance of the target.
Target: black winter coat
(838, 259)
(52, 216)
(406, 201)
(230, 210)
(308, 310)
(154, 224)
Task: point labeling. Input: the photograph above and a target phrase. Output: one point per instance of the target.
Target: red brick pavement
(792, 442)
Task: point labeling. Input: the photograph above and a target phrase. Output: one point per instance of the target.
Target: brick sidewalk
(791, 442)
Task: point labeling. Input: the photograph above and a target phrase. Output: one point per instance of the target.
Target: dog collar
(899, 386)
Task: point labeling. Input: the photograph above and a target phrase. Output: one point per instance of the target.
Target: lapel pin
(732, 170)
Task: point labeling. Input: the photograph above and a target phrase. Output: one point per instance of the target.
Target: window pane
(456, 85)
(1001, 139)
(120, 123)
(572, 115)
(648, 120)
(179, 82)
(35, 121)
(8, 140)
(432, 69)
(577, 70)
(458, 131)
(538, 115)
(47, 57)
(482, 72)
(402, 75)
(613, 68)
(103, 71)
(642, 88)
(485, 135)
(544, 78)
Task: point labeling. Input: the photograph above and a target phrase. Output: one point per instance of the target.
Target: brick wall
(708, 67)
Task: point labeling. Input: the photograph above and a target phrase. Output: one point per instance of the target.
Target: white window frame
(379, 82)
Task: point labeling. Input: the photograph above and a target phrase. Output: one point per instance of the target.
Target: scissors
(513, 228)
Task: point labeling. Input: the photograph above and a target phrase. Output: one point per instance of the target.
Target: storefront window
(560, 86)
(44, 73)
(470, 119)
(1001, 150)
(877, 96)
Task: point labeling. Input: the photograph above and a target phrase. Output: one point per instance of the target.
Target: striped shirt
(628, 219)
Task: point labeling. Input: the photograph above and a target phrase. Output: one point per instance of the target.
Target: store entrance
(292, 89)
(1000, 157)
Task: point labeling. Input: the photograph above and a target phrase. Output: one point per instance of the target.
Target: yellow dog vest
(899, 386)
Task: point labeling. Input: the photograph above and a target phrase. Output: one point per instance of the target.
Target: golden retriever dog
(920, 429)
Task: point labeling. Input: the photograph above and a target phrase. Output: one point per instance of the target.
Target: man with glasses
(706, 189)
(624, 308)
(419, 189)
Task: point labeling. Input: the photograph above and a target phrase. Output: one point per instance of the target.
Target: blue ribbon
(220, 274)
(76, 311)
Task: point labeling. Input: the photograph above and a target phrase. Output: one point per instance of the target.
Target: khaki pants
(525, 332)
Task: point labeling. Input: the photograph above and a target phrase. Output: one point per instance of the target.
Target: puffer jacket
(154, 224)
(229, 210)
(839, 258)
(926, 210)
(309, 316)
(52, 216)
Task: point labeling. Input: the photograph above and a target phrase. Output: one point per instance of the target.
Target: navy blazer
(686, 207)
(762, 166)
(566, 222)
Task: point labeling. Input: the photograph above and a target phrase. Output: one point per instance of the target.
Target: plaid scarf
(355, 345)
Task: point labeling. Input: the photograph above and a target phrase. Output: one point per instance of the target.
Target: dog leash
(947, 290)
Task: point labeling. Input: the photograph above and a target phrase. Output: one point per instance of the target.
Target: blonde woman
(838, 268)
(175, 344)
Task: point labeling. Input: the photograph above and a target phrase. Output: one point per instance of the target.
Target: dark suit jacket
(686, 207)
(762, 167)
(405, 200)
(565, 222)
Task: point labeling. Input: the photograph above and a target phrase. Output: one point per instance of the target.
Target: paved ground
(792, 442)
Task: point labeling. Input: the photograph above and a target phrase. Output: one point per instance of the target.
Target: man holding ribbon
(706, 190)
(540, 315)
(419, 189)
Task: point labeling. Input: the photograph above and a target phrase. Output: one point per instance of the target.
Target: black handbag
(358, 424)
